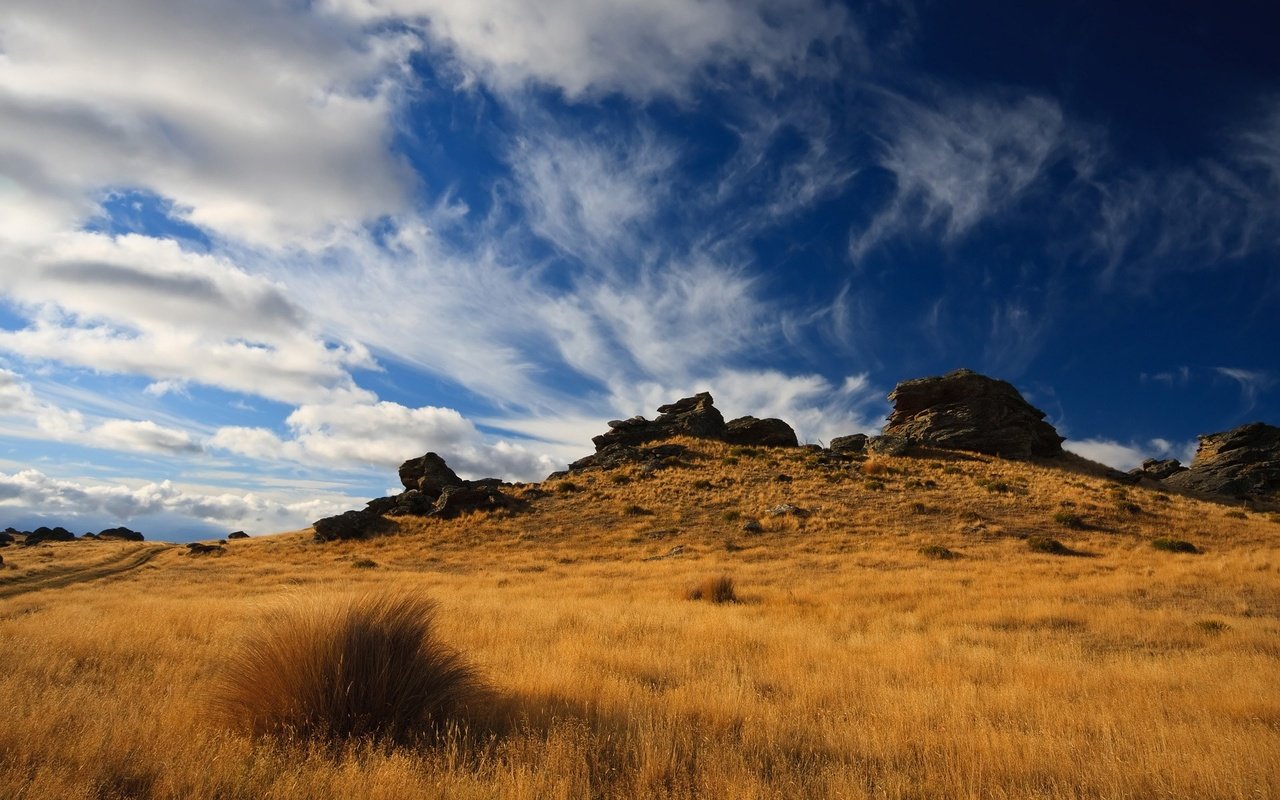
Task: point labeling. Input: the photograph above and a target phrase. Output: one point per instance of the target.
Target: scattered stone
(121, 533)
(786, 509)
(1243, 462)
(963, 410)
(1157, 469)
(428, 474)
(855, 443)
(237, 535)
(752, 526)
(771, 432)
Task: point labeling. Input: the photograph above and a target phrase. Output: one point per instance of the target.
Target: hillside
(897, 636)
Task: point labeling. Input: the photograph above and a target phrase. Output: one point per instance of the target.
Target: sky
(256, 253)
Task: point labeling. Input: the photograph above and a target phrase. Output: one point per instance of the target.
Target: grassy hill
(907, 633)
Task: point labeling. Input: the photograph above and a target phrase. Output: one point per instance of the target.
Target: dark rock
(457, 500)
(1243, 462)
(1157, 469)
(691, 416)
(888, 444)
(782, 477)
(350, 525)
(855, 443)
(90, 536)
(121, 533)
(6, 538)
(43, 534)
(752, 526)
(428, 474)
(237, 535)
(963, 410)
(786, 509)
(621, 455)
(201, 549)
(771, 432)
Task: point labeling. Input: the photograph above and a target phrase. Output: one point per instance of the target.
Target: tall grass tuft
(357, 667)
(714, 590)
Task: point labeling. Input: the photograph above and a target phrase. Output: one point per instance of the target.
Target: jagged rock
(855, 443)
(1242, 462)
(121, 533)
(237, 535)
(457, 500)
(1157, 469)
(963, 410)
(690, 416)
(771, 432)
(888, 444)
(428, 474)
(350, 525)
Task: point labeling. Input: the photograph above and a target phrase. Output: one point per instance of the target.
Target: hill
(900, 630)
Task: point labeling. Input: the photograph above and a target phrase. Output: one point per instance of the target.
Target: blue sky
(253, 255)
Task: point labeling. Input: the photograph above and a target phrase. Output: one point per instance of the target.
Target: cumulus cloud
(1129, 455)
(35, 493)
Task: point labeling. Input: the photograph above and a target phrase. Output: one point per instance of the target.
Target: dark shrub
(1045, 544)
(1069, 520)
(714, 590)
(937, 551)
(1174, 545)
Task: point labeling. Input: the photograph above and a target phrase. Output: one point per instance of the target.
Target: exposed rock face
(121, 533)
(1157, 469)
(1242, 462)
(621, 455)
(771, 432)
(432, 490)
(43, 534)
(428, 474)
(849, 444)
(237, 535)
(963, 410)
(690, 416)
(202, 549)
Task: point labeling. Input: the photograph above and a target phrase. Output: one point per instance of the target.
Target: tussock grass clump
(1070, 520)
(1046, 544)
(1172, 545)
(937, 551)
(364, 563)
(357, 667)
(714, 590)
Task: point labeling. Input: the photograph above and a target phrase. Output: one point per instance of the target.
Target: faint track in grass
(60, 577)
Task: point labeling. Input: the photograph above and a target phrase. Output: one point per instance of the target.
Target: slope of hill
(895, 635)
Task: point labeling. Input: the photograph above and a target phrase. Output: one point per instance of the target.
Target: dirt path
(59, 577)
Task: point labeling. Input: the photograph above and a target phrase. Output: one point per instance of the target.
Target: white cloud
(643, 48)
(1251, 381)
(960, 162)
(264, 122)
(1127, 456)
(63, 501)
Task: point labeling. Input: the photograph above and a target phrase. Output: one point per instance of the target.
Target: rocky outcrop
(428, 474)
(771, 432)
(237, 535)
(691, 416)
(432, 489)
(1243, 462)
(855, 443)
(694, 416)
(43, 534)
(963, 410)
(121, 534)
(1158, 469)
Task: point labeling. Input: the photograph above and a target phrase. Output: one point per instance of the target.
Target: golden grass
(857, 667)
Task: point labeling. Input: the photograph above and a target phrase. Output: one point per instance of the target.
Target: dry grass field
(900, 640)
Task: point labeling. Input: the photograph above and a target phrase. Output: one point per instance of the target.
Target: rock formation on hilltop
(1158, 469)
(963, 410)
(1243, 462)
(694, 416)
(432, 489)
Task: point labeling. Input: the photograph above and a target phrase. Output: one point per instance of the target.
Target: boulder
(621, 455)
(963, 410)
(1243, 462)
(457, 500)
(771, 432)
(121, 533)
(350, 525)
(202, 549)
(90, 536)
(1157, 469)
(854, 443)
(43, 534)
(6, 538)
(888, 444)
(690, 416)
(237, 535)
(428, 474)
